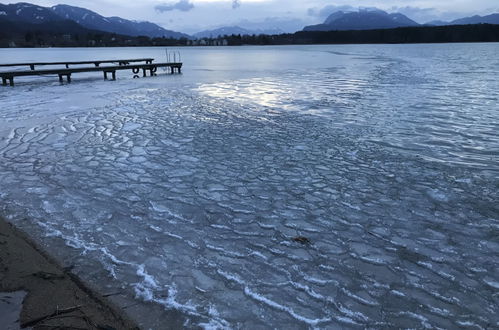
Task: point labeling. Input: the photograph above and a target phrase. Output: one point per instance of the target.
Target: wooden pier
(147, 66)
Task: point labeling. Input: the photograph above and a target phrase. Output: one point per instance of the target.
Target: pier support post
(10, 79)
(68, 77)
(144, 72)
(153, 70)
(135, 72)
(113, 74)
(32, 66)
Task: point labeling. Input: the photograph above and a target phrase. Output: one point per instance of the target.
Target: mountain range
(92, 20)
(234, 30)
(371, 19)
(32, 14)
(489, 19)
(366, 19)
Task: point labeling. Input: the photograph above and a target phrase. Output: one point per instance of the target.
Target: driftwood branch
(42, 318)
(112, 294)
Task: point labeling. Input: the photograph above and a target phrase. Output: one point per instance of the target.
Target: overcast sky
(194, 15)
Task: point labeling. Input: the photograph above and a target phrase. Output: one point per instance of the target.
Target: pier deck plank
(32, 65)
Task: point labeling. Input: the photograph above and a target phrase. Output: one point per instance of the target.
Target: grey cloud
(328, 10)
(236, 4)
(421, 15)
(416, 13)
(182, 5)
(424, 15)
(284, 24)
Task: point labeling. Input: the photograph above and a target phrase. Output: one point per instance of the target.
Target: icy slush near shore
(39, 293)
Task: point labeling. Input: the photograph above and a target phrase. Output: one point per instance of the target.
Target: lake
(268, 187)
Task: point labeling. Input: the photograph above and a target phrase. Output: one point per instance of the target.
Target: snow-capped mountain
(92, 20)
(437, 23)
(232, 30)
(27, 13)
(33, 14)
(364, 19)
(489, 19)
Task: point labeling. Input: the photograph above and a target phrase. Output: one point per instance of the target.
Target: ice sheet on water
(131, 127)
(193, 202)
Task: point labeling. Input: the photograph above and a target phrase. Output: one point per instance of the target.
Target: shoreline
(55, 298)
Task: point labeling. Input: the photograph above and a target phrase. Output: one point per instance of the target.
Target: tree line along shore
(46, 35)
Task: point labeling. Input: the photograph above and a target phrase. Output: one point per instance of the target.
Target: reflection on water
(260, 91)
(291, 92)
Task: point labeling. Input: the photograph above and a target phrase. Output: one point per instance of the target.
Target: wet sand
(38, 293)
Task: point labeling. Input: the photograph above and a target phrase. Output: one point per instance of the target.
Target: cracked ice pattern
(191, 198)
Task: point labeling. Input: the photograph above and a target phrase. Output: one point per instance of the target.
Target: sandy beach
(38, 293)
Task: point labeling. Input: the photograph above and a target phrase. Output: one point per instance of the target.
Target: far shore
(471, 33)
(54, 298)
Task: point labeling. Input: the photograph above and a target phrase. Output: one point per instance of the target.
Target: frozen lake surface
(184, 193)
